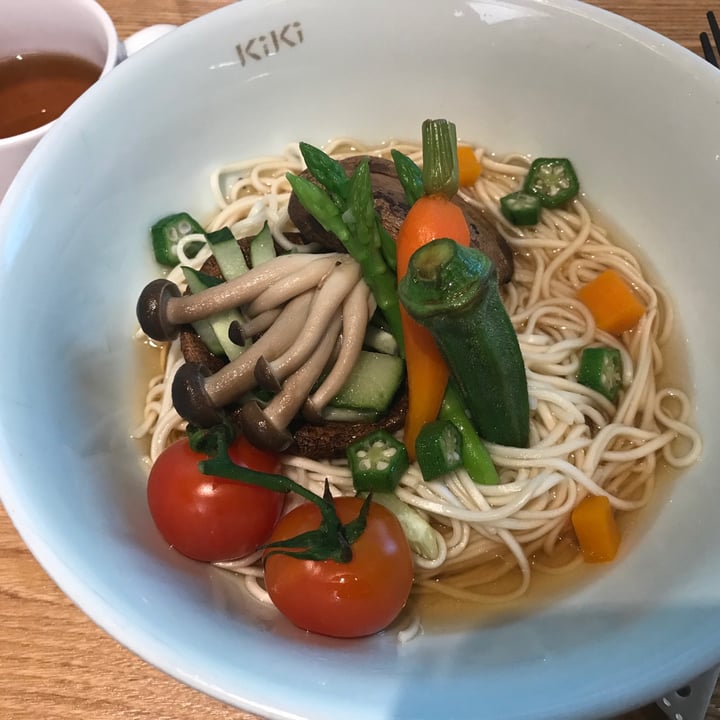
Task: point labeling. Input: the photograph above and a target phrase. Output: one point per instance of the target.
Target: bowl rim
(151, 649)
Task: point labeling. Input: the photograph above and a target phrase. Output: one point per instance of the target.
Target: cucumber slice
(206, 333)
(203, 327)
(262, 247)
(228, 253)
(348, 415)
(372, 384)
(220, 323)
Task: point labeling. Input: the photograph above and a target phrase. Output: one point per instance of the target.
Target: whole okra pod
(453, 291)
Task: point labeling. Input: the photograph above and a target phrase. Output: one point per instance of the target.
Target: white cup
(75, 27)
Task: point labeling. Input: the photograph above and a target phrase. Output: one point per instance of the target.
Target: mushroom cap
(261, 431)
(151, 309)
(190, 397)
(312, 413)
(265, 376)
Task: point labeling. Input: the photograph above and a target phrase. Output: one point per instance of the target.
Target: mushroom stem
(254, 326)
(236, 378)
(266, 428)
(293, 284)
(270, 373)
(198, 396)
(355, 316)
(161, 308)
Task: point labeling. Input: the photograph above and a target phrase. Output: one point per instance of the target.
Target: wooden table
(55, 664)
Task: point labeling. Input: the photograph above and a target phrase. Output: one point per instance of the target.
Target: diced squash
(596, 529)
(469, 167)
(612, 303)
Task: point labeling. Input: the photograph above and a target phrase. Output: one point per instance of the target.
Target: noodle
(580, 442)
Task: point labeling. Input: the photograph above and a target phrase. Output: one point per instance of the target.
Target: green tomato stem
(331, 541)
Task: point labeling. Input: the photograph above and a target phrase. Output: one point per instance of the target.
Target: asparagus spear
(357, 228)
(366, 248)
(328, 172)
(410, 175)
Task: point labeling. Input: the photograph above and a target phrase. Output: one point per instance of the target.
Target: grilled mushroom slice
(392, 207)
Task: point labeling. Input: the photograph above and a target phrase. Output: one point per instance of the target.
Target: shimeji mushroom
(307, 316)
(266, 427)
(162, 309)
(357, 309)
(329, 297)
(199, 396)
(293, 284)
(240, 333)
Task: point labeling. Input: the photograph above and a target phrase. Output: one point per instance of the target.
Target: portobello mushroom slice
(331, 440)
(392, 207)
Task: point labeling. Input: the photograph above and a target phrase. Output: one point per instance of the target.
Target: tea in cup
(51, 51)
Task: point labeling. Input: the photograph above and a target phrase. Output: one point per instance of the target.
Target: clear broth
(36, 88)
(439, 612)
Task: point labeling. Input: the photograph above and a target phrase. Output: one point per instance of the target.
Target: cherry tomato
(210, 518)
(351, 599)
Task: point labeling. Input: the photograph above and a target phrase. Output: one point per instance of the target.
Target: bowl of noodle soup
(505, 620)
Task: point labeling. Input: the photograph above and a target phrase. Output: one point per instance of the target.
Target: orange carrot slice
(431, 217)
(469, 167)
(596, 529)
(612, 303)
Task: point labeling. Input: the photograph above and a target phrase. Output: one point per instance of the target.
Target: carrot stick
(427, 377)
(595, 528)
(469, 167)
(431, 217)
(612, 303)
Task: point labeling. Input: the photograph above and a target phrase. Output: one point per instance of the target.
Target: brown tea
(36, 88)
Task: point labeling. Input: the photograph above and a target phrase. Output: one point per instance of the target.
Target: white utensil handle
(137, 41)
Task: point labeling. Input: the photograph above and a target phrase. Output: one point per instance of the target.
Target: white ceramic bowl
(638, 115)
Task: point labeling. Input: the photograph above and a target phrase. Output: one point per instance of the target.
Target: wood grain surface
(55, 664)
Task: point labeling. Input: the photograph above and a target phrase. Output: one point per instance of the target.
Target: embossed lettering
(262, 46)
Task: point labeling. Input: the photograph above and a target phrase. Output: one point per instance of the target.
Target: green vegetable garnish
(167, 233)
(552, 180)
(357, 229)
(438, 449)
(332, 176)
(410, 176)
(520, 208)
(377, 462)
(475, 456)
(601, 370)
(440, 172)
(328, 172)
(227, 252)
